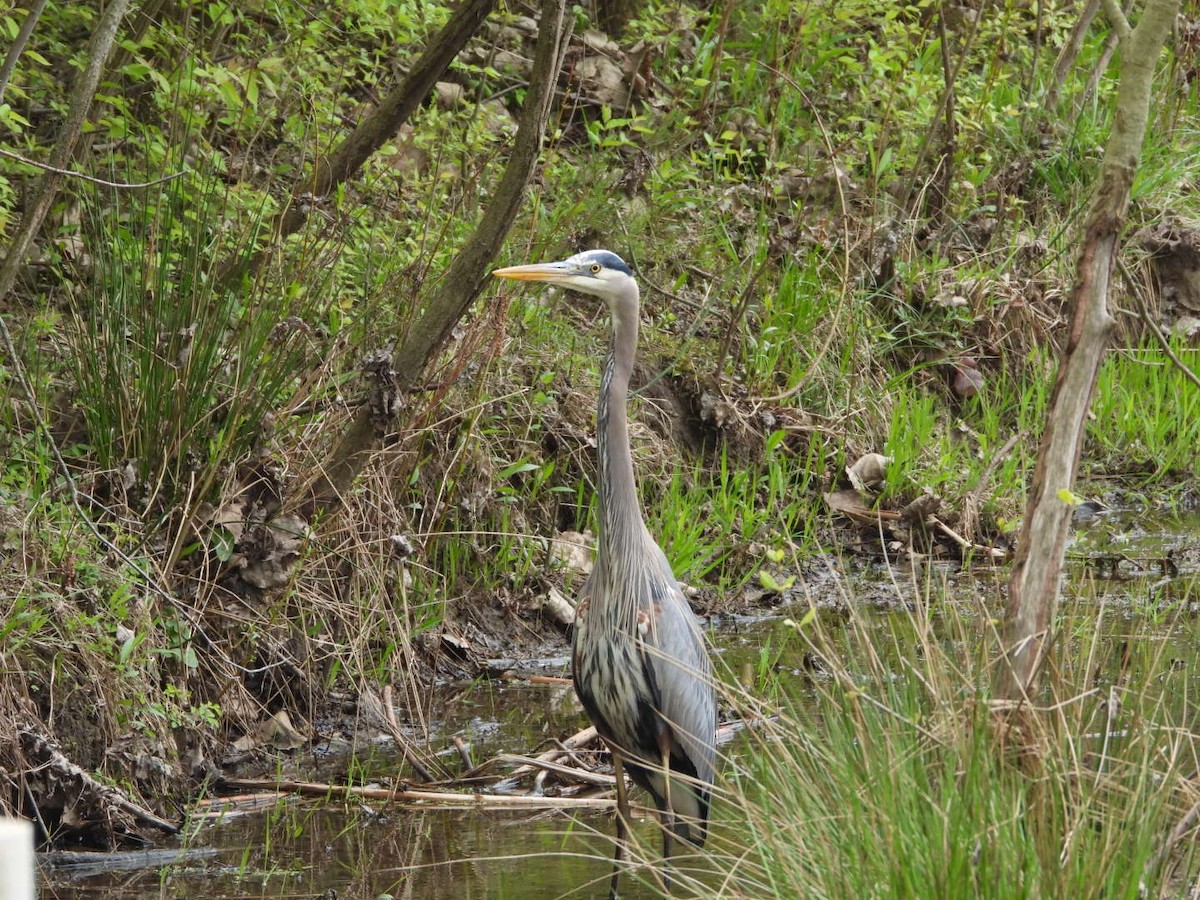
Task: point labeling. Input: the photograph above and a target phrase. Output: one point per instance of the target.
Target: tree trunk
(614, 15)
(462, 282)
(371, 134)
(17, 47)
(1033, 586)
(77, 109)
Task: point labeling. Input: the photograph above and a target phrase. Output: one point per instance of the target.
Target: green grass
(175, 376)
(1147, 414)
(888, 774)
(168, 390)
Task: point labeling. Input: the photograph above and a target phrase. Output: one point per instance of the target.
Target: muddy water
(1140, 568)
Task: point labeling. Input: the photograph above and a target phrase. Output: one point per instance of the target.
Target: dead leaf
(850, 504)
(558, 607)
(267, 553)
(604, 82)
(572, 551)
(279, 732)
(868, 472)
(921, 509)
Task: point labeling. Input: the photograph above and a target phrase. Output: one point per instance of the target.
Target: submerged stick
(440, 798)
(570, 772)
(408, 751)
(574, 742)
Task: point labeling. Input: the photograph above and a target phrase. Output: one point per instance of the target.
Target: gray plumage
(640, 666)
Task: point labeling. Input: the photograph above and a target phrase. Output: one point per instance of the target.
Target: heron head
(598, 272)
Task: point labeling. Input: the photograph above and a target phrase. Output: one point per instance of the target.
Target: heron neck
(619, 510)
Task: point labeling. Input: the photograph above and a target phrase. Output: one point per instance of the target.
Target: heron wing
(680, 673)
(682, 676)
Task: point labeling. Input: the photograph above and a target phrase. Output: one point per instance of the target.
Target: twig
(535, 679)
(574, 742)
(594, 778)
(71, 173)
(846, 243)
(251, 802)
(1182, 827)
(966, 545)
(1070, 52)
(945, 167)
(739, 312)
(68, 135)
(145, 816)
(945, 101)
(441, 798)
(410, 755)
(464, 751)
(18, 46)
(974, 498)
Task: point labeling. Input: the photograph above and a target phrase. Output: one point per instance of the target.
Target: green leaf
(516, 469)
(222, 543)
(127, 649)
(767, 580)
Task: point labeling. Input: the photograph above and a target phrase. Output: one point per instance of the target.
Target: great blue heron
(639, 663)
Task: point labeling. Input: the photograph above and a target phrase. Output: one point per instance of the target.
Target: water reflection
(303, 848)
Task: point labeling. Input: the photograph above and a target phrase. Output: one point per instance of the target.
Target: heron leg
(668, 810)
(622, 824)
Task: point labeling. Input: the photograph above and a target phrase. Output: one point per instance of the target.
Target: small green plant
(176, 376)
(1147, 412)
(890, 775)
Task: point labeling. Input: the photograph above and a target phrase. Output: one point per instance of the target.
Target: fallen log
(449, 799)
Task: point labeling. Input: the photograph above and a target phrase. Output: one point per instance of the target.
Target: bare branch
(1116, 19)
(71, 173)
(1144, 309)
(18, 46)
(465, 277)
(77, 109)
(372, 133)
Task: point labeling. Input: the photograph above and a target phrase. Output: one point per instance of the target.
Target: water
(1137, 568)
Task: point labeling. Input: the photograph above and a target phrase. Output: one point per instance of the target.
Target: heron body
(640, 666)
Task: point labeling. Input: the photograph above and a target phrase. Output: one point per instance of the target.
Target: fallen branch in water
(440, 798)
(572, 773)
(63, 782)
(576, 741)
(410, 754)
(547, 763)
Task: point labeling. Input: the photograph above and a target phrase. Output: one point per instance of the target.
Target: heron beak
(548, 272)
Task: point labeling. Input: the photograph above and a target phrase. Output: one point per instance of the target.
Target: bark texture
(82, 95)
(461, 283)
(1034, 585)
(371, 134)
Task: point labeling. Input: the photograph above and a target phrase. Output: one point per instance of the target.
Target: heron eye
(596, 268)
